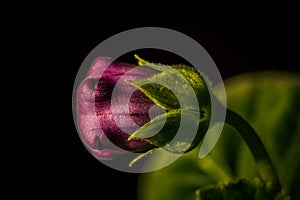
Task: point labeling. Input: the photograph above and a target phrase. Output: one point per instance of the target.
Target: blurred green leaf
(270, 102)
(238, 190)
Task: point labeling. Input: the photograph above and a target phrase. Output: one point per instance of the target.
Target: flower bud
(94, 114)
(102, 126)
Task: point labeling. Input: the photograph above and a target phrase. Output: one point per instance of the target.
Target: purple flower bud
(96, 121)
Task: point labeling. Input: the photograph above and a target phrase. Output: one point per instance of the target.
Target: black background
(53, 40)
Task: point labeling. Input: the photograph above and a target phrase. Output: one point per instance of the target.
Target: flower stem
(263, 162)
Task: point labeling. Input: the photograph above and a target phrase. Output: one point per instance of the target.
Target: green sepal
(160, 95)
(182, 92)
(180, 77)
(197, 82)
(161, 130)
(142, 156)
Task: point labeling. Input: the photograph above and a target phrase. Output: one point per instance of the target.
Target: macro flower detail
(150, 107)
(107, 132)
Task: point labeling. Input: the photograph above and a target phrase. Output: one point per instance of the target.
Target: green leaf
(182, 92)
(159, 94)
(142, 156)
(161, 130)
(175, 87)
(197, 82)
(169, 89)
